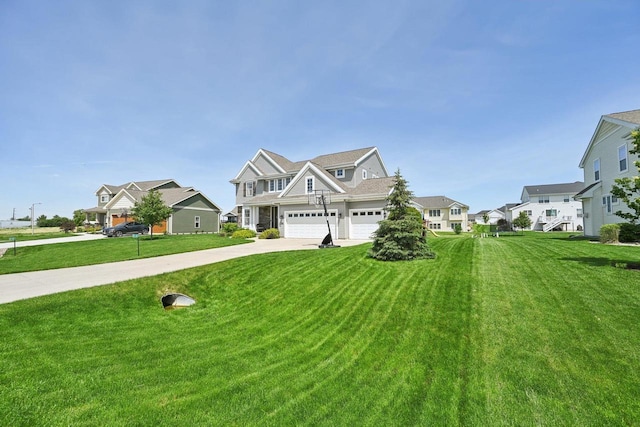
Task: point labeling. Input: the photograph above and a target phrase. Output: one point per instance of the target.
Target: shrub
(270, 233)
(609, 233)
(230, 227)
(243, 233)
(457, 228)
(629, 233)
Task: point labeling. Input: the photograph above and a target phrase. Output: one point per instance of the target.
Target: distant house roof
(567, 188)
(437, 202)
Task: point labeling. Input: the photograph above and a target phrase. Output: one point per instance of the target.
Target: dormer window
(104, 198)
(339, 173)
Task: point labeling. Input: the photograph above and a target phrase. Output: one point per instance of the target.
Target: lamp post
(33, 214)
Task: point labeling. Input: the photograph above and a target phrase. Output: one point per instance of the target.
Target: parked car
(126, 228)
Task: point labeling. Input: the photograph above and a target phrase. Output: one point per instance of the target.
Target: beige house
(443, 213)
(606, 158)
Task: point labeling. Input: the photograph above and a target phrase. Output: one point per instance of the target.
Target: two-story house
(443, 213)
(193, 212)
(550, 206)
(275, 192)
(606, 158)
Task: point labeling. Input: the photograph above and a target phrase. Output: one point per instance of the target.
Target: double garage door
(363, 222)
(311, 224)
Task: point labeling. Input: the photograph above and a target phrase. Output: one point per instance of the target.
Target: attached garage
(310, 224)
(363, 222)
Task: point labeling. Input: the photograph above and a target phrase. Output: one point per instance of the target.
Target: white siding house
(606, 158)
(550, 207)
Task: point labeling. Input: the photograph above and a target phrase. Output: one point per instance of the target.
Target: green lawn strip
(558, 340)
(491, 332)
(74, 254)
(20, 237)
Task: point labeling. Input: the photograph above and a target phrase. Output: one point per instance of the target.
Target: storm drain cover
(170, 301)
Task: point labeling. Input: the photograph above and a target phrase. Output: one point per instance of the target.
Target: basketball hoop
(320, 199)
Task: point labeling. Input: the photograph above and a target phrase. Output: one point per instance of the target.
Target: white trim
(247, 165)
(269, 159)
(304, 173)
(626, 158)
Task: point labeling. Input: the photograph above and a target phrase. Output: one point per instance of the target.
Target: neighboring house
(275, 192)
(606, 158)
(193, 212)
(231, 216)
(550, 207)
(443, 213)
(494, 215)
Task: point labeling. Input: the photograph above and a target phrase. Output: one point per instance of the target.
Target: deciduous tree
(151, 210)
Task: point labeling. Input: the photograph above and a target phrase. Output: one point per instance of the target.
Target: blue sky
(469, 99)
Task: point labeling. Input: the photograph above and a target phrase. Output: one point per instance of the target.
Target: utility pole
(13, 217)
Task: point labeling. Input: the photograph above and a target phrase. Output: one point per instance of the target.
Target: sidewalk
(19, 286)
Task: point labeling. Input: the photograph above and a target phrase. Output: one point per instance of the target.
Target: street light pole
(33, 214)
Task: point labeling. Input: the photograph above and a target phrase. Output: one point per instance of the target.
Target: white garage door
(311, 224)
(363, 222)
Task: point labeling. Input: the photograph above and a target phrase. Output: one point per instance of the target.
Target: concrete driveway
(19, 286)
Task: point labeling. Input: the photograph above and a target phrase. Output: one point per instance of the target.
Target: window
(529, 213)
(310, 186)
(278, 184)
(543, 199)
(566, 199)
(456, 211)
(339, 173)
(248, 189)
(551, 213)
(364, 174)
(435, 226)
(454, 224)
(196, 222)
(434, 212)
(596, 169)
(247, 217)
(104, 198)
(622, 158)
(579, 213)
(608, 201)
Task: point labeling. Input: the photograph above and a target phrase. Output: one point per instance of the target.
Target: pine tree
(401, 235)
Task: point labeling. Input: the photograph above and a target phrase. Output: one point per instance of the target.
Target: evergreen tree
(401, 235)
(151, 210)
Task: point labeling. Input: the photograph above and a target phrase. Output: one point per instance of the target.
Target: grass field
(26, 233)
(74, 254)
(526, 330)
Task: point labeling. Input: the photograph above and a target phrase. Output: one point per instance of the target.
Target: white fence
(14, 224)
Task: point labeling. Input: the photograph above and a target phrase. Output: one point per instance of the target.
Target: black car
(126, 228)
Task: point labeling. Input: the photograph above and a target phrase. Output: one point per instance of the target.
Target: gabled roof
(344, 158)
(608, 124)
(373, 186)
(281, 161)
(271, 158)
(317, 171)
(566, 188)
(170, 196)
(437, 202)
(587, 192)
(136, 185)
(248, 165)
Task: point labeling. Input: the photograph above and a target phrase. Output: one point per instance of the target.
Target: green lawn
(523, 330)
(73, 254)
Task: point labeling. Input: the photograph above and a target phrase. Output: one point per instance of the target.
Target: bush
(270, 233)
(457, 228)
(629, 233)
(609, 233)
(243, 233)
(230, 227)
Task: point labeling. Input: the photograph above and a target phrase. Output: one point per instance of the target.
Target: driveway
(19, 286)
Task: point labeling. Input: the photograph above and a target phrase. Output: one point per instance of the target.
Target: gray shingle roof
(567, 188)
(436, 202)
(342, 158)
(632, 116)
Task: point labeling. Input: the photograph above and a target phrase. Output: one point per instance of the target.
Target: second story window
(434, 212)
(456, 211)
(339, 173)
(277, 185)
(310, 186)
(248, 189)
(596, 169)
(104, 198)
(622, 158)
(543, 199)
